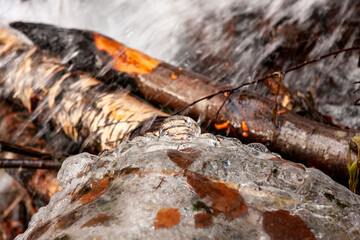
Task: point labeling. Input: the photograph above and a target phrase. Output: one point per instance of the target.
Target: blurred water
(149, 26)
(251, 38)
(229, 41)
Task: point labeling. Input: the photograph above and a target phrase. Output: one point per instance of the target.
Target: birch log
(88, 111)
(245, 116)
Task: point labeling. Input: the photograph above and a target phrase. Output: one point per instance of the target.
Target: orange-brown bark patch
(167, 218)
(244, 126)
(174, 76)
(125, 59)
(220, 126)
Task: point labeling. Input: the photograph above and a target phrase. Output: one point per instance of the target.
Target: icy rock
(180, 184)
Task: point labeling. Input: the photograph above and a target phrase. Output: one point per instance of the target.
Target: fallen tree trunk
(111, 61)
(249, 116)
(89, 112)
(297, 138)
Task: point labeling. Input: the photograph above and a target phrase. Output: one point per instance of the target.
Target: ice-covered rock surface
(180, 184)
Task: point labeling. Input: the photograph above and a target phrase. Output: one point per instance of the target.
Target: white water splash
(149, 26)
(169, 31)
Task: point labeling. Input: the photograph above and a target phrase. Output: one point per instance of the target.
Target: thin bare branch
(217, 113)
(298, 66)
(31, 152)
(26, 163)
(257, 80)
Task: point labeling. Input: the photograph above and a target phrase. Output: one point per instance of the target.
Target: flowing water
(231, 41)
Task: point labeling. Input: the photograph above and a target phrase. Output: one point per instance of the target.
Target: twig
(257, 80)
(26, 163)
(218, 111)
(321, 57)
(31, 152)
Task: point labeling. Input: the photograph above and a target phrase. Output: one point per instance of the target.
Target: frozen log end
(180, 184)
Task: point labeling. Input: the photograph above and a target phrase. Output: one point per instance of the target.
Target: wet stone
(180, 184)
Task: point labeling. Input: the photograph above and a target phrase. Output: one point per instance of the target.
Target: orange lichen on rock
(167, 218)
(203, 220)
(224, 199)
(221, 126)
(125, 59)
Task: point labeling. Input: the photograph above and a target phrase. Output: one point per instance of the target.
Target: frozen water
(179, 128)
(197, 186)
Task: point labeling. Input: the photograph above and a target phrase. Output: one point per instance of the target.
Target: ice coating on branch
(181, 184)
(179, 128)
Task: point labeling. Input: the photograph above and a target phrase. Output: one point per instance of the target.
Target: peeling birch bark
(89, 112)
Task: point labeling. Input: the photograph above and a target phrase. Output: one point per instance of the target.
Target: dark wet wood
(296, 138)
(314, 144)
